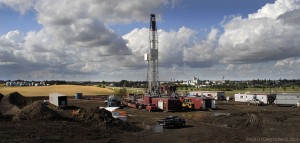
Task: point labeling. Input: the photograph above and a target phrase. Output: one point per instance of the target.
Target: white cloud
(116, 11)
(202, 54)
(75, 38)
(171, 46)
(75, 41)
(272, 11)
(288, 63)
(267, 35)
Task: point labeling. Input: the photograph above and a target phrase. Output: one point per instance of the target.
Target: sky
(96, 40)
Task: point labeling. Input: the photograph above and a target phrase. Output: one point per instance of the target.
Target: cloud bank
(76, 41)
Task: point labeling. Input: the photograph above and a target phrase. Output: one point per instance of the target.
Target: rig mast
(152, 58)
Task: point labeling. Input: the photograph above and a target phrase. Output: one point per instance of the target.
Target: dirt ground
(231, 122)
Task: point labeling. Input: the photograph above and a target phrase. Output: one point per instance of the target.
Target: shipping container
(147, 100)
(288, 99)
(58, 100)
(198, 102)
(167, 104)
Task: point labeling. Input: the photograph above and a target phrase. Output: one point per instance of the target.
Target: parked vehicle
(255, 102)
(172, 121)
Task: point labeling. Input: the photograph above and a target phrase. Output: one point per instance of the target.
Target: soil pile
(17, 106)
(100, 117)
(12, 103)
(5, 117)
(38, 110)
(1, 96)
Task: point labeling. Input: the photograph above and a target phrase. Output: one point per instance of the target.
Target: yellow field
(69, 90)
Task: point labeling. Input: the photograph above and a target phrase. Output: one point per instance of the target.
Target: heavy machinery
(187, 104)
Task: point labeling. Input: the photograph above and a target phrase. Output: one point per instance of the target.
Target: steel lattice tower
(152, 58)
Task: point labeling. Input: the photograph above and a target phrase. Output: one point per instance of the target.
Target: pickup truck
(255, 102)
(172, 121)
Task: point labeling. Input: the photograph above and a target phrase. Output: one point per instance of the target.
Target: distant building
(25, 83)
(195, 81)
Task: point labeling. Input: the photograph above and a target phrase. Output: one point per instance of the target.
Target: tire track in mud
(254, 120)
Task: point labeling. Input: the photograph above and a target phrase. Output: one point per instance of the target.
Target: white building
(194, 81)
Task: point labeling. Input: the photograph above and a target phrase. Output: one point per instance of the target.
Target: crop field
(68, 90)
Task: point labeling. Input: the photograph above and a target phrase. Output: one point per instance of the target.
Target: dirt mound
(38, 110)
(5, 117)
(101, 117)
(12, 103)
(1, 96)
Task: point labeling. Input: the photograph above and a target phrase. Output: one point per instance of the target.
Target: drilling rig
(152, 58)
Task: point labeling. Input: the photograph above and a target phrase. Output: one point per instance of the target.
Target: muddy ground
(231, 122)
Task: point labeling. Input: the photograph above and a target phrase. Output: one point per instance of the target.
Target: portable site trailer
(288, 99)
(243, 97)
(217, 95)
(263, 98)
(58, 100)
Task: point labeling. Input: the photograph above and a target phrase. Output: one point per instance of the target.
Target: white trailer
(58, 100)
(243, 97)
(263, 98)
(287, 99)
(217, 95)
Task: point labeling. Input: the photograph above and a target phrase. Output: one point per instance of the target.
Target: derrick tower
(152, 58)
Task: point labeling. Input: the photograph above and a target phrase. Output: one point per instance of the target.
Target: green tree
(122, 92)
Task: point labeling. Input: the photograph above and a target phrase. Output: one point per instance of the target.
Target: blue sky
(105, 40)
(13, 20)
